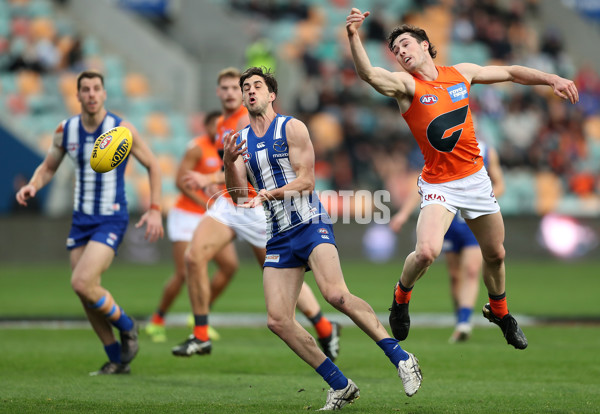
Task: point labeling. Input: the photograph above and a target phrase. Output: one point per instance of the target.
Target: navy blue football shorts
(458, 236)
(292, 247)
(109, 231)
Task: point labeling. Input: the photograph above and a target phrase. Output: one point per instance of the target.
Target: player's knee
(277, 325)
(425, 256)
(229, 269)
(336, 298)
(80, 287)
(195, 258)
(472, 271)
(495, 257)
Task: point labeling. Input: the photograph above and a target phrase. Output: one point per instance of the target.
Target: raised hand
(231, 150)
(355, 20)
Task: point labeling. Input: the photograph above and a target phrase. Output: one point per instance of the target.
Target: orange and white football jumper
(186, 213)
(226, 125)
(439, 118)
(249, 224)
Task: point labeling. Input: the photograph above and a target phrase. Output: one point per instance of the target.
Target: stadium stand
(550, 150)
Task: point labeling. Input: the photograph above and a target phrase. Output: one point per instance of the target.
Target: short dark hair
(264, 73)
(416, 32)
(210, 117)
(89, 74)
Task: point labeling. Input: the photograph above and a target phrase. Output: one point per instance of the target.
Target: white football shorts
(181, 224)
(249, 224)
(473, 196)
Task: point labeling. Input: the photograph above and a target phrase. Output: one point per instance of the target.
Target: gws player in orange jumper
(201, 156)
(434, 101)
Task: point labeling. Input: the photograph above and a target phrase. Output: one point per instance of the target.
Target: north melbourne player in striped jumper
(275, 153)
(221, 224)
(434, 101)
(100, 215)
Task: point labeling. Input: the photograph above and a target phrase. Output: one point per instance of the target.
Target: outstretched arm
(562, 87)
(45, 171)
(152, 218)
(392, 84)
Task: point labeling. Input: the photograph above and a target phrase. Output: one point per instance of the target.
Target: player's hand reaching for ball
(231, 149)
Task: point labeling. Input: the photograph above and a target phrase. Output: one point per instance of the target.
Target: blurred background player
(463, 254)
(221, 224)
(202, 157)
(100, 215)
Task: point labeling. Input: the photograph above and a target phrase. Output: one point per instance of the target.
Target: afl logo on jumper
(428, 99)
(280, 145)
(246, 156)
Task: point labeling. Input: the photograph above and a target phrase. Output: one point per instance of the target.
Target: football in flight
(110, 149)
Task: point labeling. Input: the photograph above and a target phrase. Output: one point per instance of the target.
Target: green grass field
(252, 371)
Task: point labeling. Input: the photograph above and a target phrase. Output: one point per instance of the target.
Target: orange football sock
(201, 332)
(157, 319)
(323, 327)
(402, 293)
(498, 305)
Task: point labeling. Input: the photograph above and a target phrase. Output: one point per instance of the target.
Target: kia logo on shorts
(428, 99)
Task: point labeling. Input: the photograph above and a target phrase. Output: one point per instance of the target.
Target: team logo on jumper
(280, 145)
(434, 197)
(458, 92)
(272, 258)
(428, 99)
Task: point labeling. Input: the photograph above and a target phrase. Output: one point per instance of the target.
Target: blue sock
(393, 350)
(332, 375)
(114, 352)
(464, 315)
(124, 323)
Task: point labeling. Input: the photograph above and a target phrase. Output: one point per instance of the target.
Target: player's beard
(257, 109)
